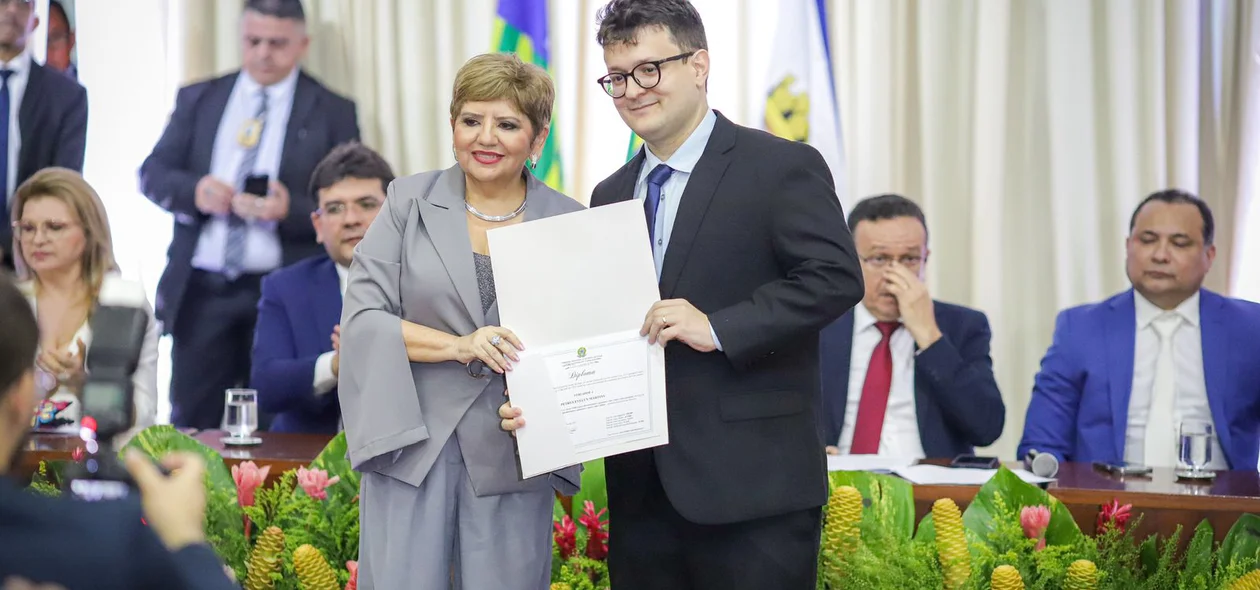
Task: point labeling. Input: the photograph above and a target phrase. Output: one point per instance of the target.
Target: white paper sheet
(878, 463)
(573, 287)
(938, 475)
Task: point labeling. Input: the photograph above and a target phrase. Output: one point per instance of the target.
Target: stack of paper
(937, 475)
(876, 463)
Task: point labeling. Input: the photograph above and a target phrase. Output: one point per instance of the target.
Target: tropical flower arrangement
(1012, 536)
(301, 532)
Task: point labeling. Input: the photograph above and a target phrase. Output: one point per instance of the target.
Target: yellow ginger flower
(561, 586)
(844, 513)
(951, 545)
(265, 559)
(313, 571)
(1006, 577)
(1250, 581)
(1081, 575)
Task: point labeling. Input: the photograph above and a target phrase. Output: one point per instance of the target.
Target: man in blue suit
(295, 360)
(904, 375)
(1123, 374)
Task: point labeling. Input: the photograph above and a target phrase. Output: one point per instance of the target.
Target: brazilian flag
(636, 142)
(521, 28)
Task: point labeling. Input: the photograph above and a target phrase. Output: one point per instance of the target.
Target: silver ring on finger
(664, 322)
(496, 340)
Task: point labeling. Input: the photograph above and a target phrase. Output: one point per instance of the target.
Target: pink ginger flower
(565, 536)
(596, 531)
(315, 482)
(1113, 514)
(353, 568)
(248, 477)
(1035, 520)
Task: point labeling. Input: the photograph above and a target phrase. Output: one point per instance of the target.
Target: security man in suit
(232, 168)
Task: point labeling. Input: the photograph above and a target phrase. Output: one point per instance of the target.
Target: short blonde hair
(70, 188)
(503, 76)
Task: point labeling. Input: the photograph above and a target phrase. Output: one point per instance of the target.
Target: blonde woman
(62, 252)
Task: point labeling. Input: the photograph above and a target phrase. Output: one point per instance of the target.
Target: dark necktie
(656, 179)
(4, 149)
(234, 250)
(870, 416)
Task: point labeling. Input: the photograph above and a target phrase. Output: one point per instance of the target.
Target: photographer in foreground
(71, 544)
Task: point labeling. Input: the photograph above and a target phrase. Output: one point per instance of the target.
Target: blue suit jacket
(1080, 401)
(96, 545)
(300, 305)
(956, 398)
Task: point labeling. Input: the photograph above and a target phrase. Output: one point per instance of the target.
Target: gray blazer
(416, 263)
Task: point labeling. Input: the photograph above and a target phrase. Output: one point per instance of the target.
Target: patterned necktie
(4, 149)
(234, 250)
(870, 416)
(656, 179)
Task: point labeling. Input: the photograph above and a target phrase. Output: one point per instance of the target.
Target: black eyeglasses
(647, 75)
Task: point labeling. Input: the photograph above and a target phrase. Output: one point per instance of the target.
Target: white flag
(800, 96)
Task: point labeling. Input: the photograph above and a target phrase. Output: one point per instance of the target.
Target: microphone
(1041, 464)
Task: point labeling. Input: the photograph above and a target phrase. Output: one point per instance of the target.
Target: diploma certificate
(575, 288)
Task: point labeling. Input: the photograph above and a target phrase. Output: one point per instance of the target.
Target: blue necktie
(4, 148)
(656, 179)
(234, 250)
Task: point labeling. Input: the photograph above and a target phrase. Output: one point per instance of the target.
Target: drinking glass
(240, 417)
(1195, 439)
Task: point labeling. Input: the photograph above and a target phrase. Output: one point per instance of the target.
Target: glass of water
(1195, 439)
(240, 417)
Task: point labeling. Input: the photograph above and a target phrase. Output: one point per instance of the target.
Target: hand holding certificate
(575, 287)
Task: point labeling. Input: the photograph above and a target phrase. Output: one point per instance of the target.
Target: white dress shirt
(21, 66)
(143, 381)
(683, 161)
(1190, 389)
(262, 246)
(325, 381)
(900, 435)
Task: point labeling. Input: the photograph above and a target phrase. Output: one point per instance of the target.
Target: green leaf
(1017, 494)
(160, 440)
(1148, 555)
(927, 530)
(594, 488)
(1242, 541)
(1198, 559)
(888, 499)
(335, 461)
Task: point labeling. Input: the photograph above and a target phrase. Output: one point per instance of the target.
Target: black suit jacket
(96, 546)
(956, 398)
(52, 120)
(760, 245)
(320, 120)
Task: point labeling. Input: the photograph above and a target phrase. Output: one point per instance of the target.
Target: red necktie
(870, 416)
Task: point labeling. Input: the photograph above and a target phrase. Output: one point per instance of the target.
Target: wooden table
(282, 451)
(1163, 501)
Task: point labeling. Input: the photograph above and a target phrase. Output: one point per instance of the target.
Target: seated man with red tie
(903, 375)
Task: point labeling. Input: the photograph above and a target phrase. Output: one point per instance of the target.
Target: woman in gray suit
(423, 356)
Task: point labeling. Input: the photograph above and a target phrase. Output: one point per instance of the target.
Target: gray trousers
(442, 536)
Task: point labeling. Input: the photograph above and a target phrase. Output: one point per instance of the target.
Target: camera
(118, 327)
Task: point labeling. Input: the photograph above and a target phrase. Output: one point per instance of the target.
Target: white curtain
(1028, 130)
